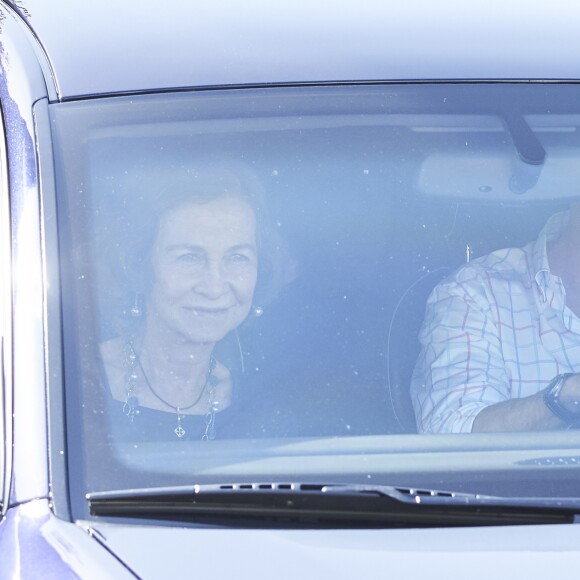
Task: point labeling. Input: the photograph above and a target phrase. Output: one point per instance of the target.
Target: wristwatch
(552, 400)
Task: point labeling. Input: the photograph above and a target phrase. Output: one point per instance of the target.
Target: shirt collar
(552, 230)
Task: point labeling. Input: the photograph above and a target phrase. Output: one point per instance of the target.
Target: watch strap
(552, 399)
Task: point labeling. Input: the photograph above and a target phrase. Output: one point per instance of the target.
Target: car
(223, 229)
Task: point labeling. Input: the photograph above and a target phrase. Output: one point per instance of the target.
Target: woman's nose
(212, 283)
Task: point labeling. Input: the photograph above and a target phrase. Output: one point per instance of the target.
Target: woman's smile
(208, 311)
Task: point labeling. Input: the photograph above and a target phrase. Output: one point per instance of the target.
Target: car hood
(167, 552)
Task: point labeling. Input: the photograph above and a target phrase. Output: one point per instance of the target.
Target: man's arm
(528, 413)
(461, 382)
(460, 369)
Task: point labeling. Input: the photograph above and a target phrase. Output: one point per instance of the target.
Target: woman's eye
(239, 258)
(190, 258)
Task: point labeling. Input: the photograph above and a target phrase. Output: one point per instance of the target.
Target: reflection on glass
(333, 212)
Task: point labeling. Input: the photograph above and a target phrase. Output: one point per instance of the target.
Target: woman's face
(204, 268)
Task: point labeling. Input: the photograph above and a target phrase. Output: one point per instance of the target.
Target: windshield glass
(331, 284)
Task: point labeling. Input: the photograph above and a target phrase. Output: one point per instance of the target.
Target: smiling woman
(191, 270)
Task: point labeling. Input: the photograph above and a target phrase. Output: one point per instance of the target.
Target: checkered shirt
(497, 329)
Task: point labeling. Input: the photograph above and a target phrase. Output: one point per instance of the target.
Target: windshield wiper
(305, 505)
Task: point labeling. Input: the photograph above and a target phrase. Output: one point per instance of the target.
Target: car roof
(111, 46)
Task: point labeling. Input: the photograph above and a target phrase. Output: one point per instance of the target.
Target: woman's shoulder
(112, 351)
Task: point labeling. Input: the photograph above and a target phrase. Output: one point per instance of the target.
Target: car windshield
(245, 276)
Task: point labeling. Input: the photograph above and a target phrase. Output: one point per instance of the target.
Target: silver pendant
(179, 430)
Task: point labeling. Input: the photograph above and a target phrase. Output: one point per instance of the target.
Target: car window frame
(57, 465)
(5, 324)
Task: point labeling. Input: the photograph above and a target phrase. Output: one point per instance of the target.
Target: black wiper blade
(327, 506)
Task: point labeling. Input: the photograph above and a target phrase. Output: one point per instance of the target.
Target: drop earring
(240, 352)
(137, 308)
(258, 311)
